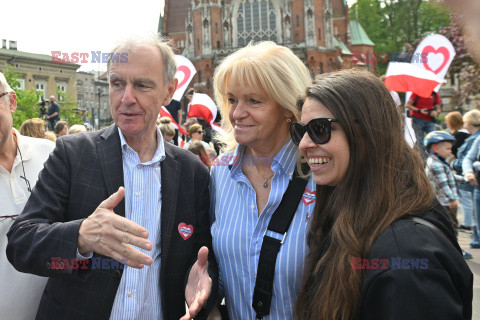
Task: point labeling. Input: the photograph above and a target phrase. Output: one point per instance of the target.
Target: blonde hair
(49, 135)
(266, 65)
(33, 128)
(165, 126)
(76, 128)
(194, 128)
(472, 117)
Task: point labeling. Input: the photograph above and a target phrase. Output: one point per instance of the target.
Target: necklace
(265, 183)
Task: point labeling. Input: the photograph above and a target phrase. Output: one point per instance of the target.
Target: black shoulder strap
(431, 226)
(416, 101)
(279, 223)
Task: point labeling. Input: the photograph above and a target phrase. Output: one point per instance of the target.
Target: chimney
(12, 45)
(4, 43)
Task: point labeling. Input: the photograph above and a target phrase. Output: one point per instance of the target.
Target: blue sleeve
(472, 155)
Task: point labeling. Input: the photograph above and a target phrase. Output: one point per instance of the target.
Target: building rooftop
(358, 36)
(342, 46)
(31, 56)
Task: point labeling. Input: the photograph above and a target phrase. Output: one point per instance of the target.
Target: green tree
(392, 23)
(28, 106)
(68, 108)
(27, 101)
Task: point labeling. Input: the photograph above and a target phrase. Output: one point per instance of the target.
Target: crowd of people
(316, 207)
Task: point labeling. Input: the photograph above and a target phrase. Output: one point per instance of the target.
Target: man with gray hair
(21, 159)
(121, 195)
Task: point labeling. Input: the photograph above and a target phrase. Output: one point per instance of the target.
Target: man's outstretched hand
(199, 285)
(111, 235)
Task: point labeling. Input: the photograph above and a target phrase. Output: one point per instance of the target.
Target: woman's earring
(289, 120)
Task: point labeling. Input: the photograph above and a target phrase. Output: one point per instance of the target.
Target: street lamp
(99, 92)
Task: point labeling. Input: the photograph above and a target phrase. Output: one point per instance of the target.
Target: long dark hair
(385, 180)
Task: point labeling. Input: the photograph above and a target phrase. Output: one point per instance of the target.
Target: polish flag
(164, 113)
(405, 77)
(202, 106)
(180, 141)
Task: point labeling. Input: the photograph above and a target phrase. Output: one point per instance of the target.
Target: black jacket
(426, 278)
(82, 171)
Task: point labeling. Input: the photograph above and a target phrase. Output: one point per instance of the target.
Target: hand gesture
(199, 285)
(111, 235)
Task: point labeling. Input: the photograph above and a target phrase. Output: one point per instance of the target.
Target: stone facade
(37, 71)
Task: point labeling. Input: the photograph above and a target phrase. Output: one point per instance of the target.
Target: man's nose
(129, 95)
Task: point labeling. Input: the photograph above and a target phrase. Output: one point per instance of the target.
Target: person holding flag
(423, 112)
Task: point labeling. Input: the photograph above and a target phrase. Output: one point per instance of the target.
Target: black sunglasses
(318, 129)
(200, 132)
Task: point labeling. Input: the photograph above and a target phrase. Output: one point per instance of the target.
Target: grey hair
(4, 86)
(169, 64)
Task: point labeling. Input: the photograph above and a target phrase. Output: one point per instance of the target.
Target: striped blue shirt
(139, 295)
(238, 233)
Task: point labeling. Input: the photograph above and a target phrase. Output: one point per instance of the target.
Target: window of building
(298, 21)
(218, 44)
(256, 20)
(22, 84)
(216, 27)
(41, 86)
(319, 34)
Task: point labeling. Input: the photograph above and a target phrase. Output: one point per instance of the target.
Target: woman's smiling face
(329, 162)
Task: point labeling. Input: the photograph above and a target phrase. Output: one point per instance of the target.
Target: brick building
(318, 31)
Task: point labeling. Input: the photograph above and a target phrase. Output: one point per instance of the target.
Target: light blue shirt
(472, 154)
(238, 233)
(139, 293)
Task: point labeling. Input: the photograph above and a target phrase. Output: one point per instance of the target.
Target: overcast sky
(76, 26)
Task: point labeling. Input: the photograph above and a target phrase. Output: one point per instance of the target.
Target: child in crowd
(439, 146)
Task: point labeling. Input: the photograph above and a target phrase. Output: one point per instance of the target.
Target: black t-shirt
(173, 108)
(52, 109)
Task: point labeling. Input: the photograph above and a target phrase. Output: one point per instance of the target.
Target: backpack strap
(279, 223)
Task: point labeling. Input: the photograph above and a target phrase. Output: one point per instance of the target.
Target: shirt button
(252, 207)
(255, 276)
(130, 294)
(139, 166)
(137, 194)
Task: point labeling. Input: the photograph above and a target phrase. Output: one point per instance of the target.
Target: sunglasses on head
(319, 130)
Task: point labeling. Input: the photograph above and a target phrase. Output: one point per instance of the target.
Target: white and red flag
(185, 72)
(164, 113)
(202, 106)
(405, 77)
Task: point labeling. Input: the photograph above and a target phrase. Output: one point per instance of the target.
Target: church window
(257, 21)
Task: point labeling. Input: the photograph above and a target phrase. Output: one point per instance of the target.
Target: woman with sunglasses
(256, 90)
(196, 133)
(380, 245)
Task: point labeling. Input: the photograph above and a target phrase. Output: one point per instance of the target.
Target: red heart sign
(442, 50)
(308, 196)
(185, 231)
(186, 71)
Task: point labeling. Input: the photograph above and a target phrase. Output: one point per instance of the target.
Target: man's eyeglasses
(319, 130)
(200, 132)
(2, 94)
